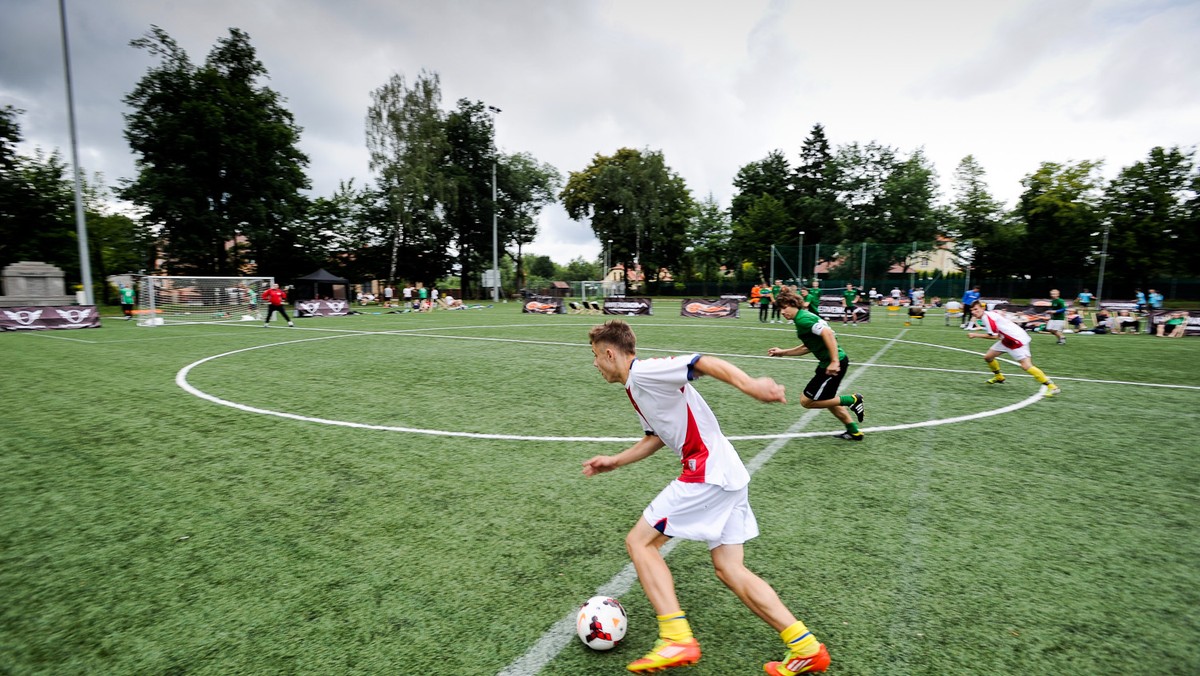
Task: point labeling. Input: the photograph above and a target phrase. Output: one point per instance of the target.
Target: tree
(525, 186)
(711, 235)
(765, 221)
(635, 200)
(814, 186)
(977, 221)
(1152, 235)
(218, 168)
(1059, 209)
(406, 137)
(887, 200)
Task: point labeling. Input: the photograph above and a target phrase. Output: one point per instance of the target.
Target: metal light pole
(85, 263)
(607, 254)
(495, 235)
(1103, 258)
(800, 264)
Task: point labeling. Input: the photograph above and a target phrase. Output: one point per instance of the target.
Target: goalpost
(190, 300)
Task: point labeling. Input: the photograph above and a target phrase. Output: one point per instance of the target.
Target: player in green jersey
(811, 300)
(776, 289)
(817, 338)
(849, 298)
(1058, 316)
(128, 296)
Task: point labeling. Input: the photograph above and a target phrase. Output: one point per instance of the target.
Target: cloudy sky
(712, 84)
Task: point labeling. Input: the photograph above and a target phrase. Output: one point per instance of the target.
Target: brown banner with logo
(699, 307)
(544, 305)
(627, 306)
(322, 308)
(832, 308)
(49, 317)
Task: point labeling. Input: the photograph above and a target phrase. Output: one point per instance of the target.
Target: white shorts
(703, 512)
(1017, 353)
(1056, 324)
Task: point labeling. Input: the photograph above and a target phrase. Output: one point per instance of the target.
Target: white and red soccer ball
(601, 623)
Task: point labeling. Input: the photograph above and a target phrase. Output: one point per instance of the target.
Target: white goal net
(189, 300)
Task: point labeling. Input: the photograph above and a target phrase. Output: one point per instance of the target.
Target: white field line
(49, 334)
(559, 635)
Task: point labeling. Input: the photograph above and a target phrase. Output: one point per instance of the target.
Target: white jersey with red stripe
(673, 410)
(1011, 335)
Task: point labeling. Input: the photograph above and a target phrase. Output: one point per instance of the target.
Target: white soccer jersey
(672, 409)
(1011, 335)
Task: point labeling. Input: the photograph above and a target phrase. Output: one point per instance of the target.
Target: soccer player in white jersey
(1013, 340)
(708, 502)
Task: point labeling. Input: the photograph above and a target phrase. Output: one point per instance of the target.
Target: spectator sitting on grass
(1174, 327)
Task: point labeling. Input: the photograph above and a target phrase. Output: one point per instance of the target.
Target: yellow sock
(800, 640)
(674, 626)
(994, 366)
(1038, 375)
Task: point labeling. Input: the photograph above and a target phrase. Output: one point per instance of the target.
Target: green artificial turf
(144, 529)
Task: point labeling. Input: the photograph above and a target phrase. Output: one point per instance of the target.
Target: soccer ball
(601, 623)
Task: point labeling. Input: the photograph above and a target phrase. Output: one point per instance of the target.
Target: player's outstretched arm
(644, 448)
(797, 351)
(762, 389)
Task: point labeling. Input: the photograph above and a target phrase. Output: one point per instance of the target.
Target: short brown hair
(615, 333)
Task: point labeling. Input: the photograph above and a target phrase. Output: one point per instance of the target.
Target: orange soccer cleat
(795, 664)
(667, 654)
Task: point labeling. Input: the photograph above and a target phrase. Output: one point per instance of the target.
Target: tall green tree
(815, 189)
(1060, 211)
(1153, 230)
(887, 200)
(637, 201)
(469, 209)
(978, 222)
(526, 186)
(765, 222)
(711, 235)
(218, 170)
(408, 145)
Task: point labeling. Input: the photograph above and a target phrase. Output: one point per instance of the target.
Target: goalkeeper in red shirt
(275, 298)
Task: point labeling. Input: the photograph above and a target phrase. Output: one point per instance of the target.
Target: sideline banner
(699, 307)
(831, 308)
(627, 306)
(544, 305)
(43, 317)
(1191, 319)
(322, 308)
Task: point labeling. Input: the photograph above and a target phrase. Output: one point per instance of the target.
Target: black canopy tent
(312, 285)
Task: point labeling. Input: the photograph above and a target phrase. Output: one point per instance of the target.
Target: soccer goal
(190, 300)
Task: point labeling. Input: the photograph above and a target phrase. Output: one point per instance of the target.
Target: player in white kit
(708, 501)
(1013, 340)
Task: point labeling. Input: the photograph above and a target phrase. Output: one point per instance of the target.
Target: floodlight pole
(85, 263)
(1103, 258)
(495, 231)
(800, 263)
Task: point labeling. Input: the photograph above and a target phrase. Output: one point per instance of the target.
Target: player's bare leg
(676, 647)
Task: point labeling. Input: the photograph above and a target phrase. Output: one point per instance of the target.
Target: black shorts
(824, 386)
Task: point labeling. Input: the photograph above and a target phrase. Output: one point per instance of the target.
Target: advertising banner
(699, 307)
(627, 306)
(831, 308)
(322, 308)
(49, 317)
(544, 305)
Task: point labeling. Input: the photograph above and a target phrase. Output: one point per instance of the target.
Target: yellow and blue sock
(800, 640)
(674, 626)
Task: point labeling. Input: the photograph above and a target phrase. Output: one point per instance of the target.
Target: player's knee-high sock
(800, 640)
(674, 626)
(1038, 375)
(994, 366)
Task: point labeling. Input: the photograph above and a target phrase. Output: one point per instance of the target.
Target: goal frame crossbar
(153, 314)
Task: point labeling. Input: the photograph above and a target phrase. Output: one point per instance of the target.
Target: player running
(1013, 340)
(709, 502)
(817, 338)
(1058, 316)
